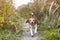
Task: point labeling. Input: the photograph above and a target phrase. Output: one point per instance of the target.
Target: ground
(26, 35)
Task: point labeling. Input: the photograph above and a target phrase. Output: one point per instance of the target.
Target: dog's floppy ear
(27, 21)
(36, 21)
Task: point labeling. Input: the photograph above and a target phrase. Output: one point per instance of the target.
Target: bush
(50, 35)
(7, 35)
(9, 32)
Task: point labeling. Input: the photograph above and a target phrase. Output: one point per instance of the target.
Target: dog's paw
(32, 35)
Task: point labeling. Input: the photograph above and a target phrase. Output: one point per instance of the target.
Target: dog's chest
(33, 27)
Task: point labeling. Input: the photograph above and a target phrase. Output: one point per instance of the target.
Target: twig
(51, 7)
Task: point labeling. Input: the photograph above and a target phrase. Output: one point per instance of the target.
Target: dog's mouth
(32, 24)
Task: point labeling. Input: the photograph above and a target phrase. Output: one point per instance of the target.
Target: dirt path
(27, 36)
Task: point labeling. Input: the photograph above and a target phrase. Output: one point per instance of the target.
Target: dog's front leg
(35, 31)
(31, 31)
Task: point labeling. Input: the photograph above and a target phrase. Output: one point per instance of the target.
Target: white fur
(31, 29)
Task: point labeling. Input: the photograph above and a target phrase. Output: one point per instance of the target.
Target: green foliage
(50, 35)
(7, 35)
(10, 22)
(24, 11)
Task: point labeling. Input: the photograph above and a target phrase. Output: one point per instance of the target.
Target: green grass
(50, 35)
(8, 35)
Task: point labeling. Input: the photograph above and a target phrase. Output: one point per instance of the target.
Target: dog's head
(32, 21)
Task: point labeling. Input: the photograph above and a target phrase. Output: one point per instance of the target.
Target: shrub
(50, 35)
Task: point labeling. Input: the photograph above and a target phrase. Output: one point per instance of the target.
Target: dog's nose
(32, 23)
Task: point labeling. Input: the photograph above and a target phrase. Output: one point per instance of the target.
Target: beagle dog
(32, 25)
